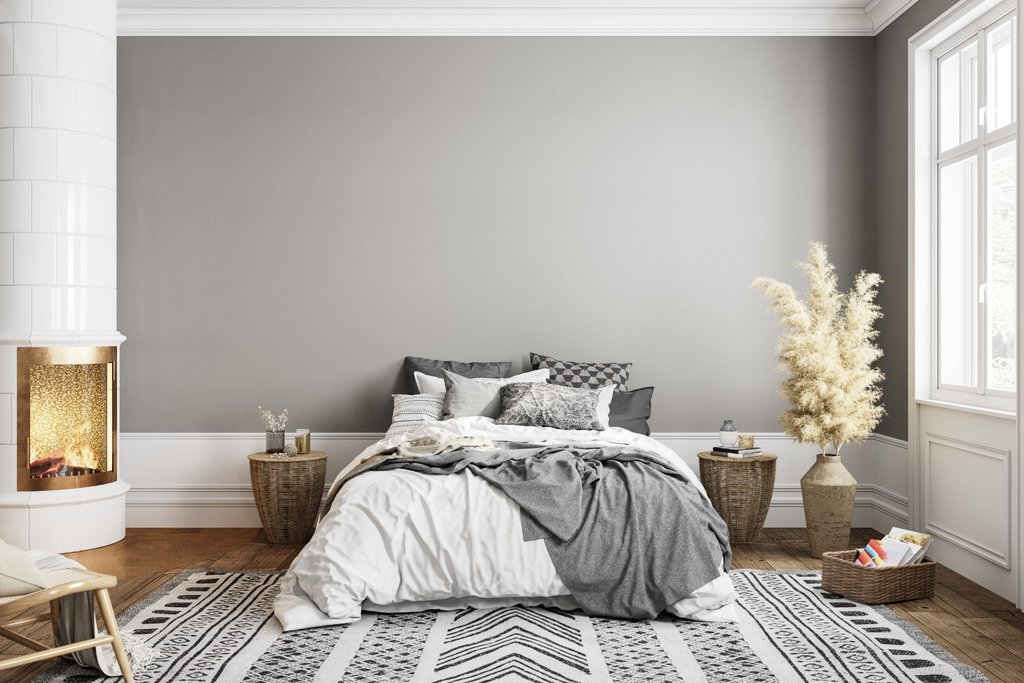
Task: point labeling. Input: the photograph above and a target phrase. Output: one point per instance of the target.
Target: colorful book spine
(874, 550)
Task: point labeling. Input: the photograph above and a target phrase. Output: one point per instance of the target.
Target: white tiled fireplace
(58, 231)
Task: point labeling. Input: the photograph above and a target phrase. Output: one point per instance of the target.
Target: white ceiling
(508, 17)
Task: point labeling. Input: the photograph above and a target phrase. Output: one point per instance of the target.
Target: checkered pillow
(585, 375)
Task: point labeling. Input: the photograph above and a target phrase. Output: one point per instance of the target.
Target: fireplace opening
(67, 417)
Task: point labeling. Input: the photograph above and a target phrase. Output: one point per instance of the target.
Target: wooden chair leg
(55, 620)
(107, 610)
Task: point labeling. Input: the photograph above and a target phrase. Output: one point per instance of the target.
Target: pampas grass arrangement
(829, 353)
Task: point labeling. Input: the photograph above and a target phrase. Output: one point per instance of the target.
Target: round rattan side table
(288, 490)
(741, 491)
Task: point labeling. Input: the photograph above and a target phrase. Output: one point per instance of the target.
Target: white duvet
(400, 541)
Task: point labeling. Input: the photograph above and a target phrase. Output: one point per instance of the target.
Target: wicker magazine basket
(839, 574)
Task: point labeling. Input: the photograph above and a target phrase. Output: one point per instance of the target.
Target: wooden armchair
(62, 582)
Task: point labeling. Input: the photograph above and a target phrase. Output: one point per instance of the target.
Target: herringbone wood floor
(976, 625)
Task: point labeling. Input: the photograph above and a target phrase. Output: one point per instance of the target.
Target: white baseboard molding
(873, 508)
(888, 509)
(202, 479)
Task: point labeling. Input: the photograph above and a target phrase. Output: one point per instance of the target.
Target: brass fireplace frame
(64, 355)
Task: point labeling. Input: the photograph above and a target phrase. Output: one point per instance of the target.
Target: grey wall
(891, 198)
(296, 215)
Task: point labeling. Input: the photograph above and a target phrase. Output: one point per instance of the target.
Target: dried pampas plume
(829, 353)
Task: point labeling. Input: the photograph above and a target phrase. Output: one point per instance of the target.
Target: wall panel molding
(940, 503)
(513, 18)
(202, 479)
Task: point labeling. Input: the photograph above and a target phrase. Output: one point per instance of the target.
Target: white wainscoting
(202, 480)
(978, 524)
(964, 492)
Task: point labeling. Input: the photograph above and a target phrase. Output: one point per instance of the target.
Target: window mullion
(981, 261)
(981, 213)
(962, 152)
(1001, 135)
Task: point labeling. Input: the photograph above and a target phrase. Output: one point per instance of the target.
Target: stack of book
(736, 452)
(898, 548)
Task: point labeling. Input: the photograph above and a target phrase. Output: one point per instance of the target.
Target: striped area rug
(216, 626)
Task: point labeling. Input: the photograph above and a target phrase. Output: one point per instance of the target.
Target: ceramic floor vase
(828, 490)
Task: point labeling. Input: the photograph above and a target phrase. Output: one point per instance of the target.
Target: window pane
(956, 273)
(1002, 267)
(958, 97)
(1000, 75)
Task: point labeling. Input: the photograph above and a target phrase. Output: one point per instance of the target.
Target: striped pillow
(412, 410)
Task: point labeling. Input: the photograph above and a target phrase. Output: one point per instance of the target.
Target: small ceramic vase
(727, 434)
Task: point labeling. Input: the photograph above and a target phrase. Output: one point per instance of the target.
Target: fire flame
(76, 452)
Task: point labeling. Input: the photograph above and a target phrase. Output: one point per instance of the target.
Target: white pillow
(412, 410)
(604, 405)
(428, 384)
(19, 575)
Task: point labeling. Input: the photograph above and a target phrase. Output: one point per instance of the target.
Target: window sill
(964, 408)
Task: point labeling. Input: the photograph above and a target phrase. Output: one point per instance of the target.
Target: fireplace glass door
(67, 417)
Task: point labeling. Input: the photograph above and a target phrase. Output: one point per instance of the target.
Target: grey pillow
(631, 410)
(465, 397)
(572, 373)
(549, 405)
(427, 366)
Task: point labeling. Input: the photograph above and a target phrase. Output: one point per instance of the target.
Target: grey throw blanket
(77, 621)
(628, 535)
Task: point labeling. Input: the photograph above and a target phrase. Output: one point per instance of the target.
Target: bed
(470, 511)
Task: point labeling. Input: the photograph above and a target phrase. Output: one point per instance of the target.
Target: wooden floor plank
(747, 557)
(953, 603)
(999, 631)
(1013, 616)
(952, 645)
(970, 591)
(991, 654)
(147, 551)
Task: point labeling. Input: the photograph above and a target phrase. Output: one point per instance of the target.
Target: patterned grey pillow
(413, 410)
(575, 374)
(549, 405)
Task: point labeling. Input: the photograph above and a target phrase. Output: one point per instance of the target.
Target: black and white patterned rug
(216, 626)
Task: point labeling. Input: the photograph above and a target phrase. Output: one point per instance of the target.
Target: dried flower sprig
(271, 422)
(830, 351)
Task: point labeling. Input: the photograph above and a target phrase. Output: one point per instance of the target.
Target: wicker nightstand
(288, 490)
(741, 491)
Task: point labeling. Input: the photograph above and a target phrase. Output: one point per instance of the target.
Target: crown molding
(507, 18)
(884, 12)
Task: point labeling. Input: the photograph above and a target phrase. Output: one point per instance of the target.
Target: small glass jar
(275, 442)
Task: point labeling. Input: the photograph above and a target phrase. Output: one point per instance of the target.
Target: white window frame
(959, 26)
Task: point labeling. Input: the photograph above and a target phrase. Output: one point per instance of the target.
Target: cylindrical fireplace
(58, 276)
